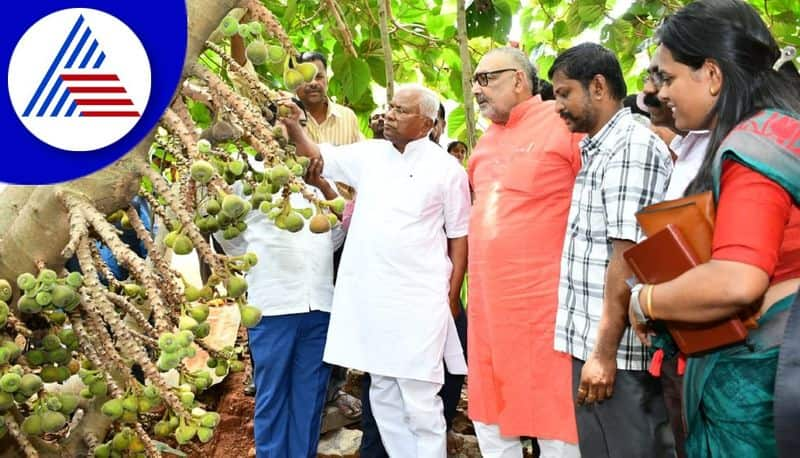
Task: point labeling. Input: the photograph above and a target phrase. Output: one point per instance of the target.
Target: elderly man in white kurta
(401, 270)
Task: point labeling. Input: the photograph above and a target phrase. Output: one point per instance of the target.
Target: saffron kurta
(522, 174)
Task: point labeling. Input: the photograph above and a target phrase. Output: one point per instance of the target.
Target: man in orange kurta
(522, 173)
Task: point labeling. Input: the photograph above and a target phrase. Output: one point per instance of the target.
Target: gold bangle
(649, 301)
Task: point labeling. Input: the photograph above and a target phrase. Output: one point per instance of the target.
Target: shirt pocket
(538, 177)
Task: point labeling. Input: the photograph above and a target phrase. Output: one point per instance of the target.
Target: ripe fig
(319, 224)
(257, 52)
(202, 171)
(308, 70)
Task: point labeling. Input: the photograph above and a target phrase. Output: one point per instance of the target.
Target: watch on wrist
(636, 306)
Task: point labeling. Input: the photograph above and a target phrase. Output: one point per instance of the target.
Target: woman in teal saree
(722, 71)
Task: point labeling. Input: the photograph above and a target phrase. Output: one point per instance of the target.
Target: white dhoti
(410, 417)
(494, 445)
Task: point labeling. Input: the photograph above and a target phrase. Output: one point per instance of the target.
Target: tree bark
(466, 74)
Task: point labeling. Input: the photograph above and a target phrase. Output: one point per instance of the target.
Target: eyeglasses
(398, 110)
(482, 78)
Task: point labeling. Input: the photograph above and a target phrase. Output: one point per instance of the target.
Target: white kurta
(391, 313)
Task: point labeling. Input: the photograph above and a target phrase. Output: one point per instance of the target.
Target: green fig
(185, 433)
(162, 429)
(205, 434)
(333, 219)
(74, 279)
(53, 403)
(293, 222)
(99, 388)
(292, 79)
(44, 298)
(199, 312)
(250, 315)
(59, 355)
(235, 286)
(169, 239)
(280, 175)
(30, 383)
(5, 290)
(275, 54)
(236, 167)
(49, 374)
(132, 290)
(236, 366)
(229, 26)
(230, 233)
(120, 441)
(211, 363)
(51, 342)
(187, 323)
(47, 276)
(167, 342)
(210, 420)
(32, 425)
(203, 147)
(255, 28)
(191, 293)
(52, 421)
(69, 402)
(131, 403)
(102, 451)
(202, 330)
(233, 206)
(62, 295)
(113, 408)
(26, 281)
(182, 245)
(10, 382)
(257, 52)
(184, 338)
(6, 401)
(202, 171)
(212, 206)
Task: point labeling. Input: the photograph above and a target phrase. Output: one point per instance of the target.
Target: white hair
(428, 100)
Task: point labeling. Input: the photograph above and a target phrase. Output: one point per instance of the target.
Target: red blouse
(757, 223)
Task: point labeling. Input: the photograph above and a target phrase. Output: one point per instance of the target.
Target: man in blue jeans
(293, 286)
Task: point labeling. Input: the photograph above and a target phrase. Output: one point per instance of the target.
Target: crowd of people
(556, 338)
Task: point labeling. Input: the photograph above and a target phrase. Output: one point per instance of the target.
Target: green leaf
(456, 122)
(200, 113)
(291, 10)
(377, 68)
(353, 74)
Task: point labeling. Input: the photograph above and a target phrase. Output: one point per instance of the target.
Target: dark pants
(672, 384)
(632, 424)
(371, 445)
(290, 378)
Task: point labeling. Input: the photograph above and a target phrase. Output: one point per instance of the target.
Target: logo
(79, 79)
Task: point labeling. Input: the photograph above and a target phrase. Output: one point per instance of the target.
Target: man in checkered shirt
(620, 408)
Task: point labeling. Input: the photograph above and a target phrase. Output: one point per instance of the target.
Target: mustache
(651, 100)
(480, 99)
(567, 115)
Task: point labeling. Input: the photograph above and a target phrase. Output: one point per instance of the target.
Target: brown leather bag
(693, 216)
(664, 256)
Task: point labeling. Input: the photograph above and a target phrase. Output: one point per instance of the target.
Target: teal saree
(729, 393)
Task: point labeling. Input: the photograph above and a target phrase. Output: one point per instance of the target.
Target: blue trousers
(290, 380)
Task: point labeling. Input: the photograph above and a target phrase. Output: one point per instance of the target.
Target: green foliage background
(424, 44)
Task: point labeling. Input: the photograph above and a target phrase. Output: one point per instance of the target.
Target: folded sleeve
(752, 214)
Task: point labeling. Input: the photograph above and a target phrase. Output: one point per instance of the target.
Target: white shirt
(391, 313)
(294, 273)
(690, 150)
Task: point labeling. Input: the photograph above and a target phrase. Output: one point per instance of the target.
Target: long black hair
(733, 34)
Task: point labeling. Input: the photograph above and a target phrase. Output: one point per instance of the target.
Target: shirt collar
(593, 144)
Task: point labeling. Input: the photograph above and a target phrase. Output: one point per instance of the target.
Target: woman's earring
(713, 92)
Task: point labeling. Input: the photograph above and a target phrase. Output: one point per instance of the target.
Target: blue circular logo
(86, 84)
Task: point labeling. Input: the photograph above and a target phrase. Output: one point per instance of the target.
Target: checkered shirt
(625, 167)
